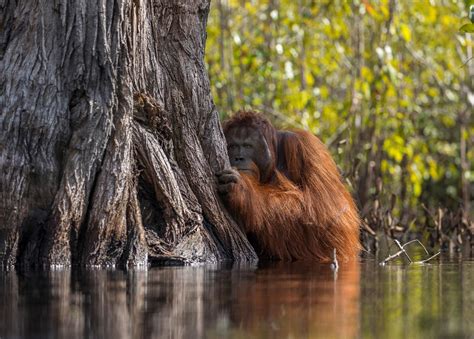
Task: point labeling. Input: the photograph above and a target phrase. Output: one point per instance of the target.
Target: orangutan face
(248, 151)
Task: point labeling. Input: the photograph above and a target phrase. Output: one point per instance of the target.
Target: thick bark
(109, 136)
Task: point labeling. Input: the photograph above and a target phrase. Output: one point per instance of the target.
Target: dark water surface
(296, 300)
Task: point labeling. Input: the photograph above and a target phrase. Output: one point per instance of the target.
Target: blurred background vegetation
(387, 85)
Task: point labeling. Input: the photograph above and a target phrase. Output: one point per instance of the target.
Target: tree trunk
(109, 136)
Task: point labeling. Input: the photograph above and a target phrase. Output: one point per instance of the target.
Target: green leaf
(467, 28)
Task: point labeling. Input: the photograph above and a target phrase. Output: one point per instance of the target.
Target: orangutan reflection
(298, 300)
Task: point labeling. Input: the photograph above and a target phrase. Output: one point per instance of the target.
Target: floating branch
(426, 260)
(403, 251)
(390, 257)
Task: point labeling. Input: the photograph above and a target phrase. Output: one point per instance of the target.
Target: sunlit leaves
(389, 80)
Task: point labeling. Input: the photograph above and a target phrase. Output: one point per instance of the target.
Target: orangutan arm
(239, 194)
(261, 208)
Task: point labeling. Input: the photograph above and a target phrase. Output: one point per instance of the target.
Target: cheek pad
(263, 158)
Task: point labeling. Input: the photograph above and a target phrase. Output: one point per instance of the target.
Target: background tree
(109, 135)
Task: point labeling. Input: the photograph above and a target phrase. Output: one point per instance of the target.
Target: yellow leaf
(405, 32)
(366, 73)
(309, 79)
(324, 92)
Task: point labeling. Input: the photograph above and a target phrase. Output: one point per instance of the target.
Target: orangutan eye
(247, 146)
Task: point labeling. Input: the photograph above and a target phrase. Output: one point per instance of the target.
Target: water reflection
(274, 300)
(435, 301)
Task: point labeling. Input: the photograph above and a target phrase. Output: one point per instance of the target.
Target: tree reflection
(185, 302)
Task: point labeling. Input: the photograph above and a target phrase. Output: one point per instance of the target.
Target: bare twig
(367, 228)
(467, 61)
(334, 264)
(390, 257)
(426, 260)
(403, 251)
(419, 242)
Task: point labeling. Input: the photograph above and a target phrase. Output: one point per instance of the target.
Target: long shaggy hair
(305, 211)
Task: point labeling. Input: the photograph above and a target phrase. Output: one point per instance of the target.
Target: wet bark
(109, 136)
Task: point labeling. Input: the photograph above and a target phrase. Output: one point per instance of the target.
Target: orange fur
(303, 210)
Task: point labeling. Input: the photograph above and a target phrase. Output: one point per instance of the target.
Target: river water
(271, 300)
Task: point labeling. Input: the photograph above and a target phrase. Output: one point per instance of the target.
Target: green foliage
(467, 28)
(384, 83)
